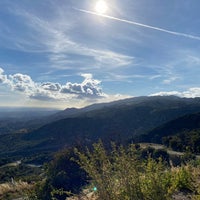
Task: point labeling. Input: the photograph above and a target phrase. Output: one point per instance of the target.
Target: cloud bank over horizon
(190, 93)
(89, 88)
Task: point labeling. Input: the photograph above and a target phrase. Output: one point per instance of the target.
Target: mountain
(167, 101)
(119, 121)
(75, 112)
(181, 134)
(25, 112)
(23, 119)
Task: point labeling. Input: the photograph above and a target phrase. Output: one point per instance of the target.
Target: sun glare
(101, 7)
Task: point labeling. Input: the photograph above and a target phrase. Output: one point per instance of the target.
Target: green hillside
(182, 134)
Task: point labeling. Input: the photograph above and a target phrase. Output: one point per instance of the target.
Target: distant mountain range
(118, 121)
(14, 119)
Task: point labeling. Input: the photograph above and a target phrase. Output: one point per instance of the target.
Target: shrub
(62, 174)
(115, 174)
(182, 179)
(120, 174)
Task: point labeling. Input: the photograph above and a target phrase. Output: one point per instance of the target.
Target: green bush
(182, 179)
(116, 173)
(62, 174)
(120, 174)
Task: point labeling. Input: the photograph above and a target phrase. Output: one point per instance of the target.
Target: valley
(160, 126)
(122, 121)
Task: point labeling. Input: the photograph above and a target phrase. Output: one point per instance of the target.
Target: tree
(63, 174)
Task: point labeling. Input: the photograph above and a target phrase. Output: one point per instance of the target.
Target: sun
(101, 7)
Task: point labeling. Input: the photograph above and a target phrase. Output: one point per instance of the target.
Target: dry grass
(85, 195)
(15, 189)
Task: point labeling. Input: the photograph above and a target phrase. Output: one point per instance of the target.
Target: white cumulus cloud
(51, 86)
(190, 93)
(89, 88)
(3, 78)
(21, 82)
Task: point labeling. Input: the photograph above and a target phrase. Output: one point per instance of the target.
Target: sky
(64, 53)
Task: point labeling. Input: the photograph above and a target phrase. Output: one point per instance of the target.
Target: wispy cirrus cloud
(170, 80)
(54, 37)
(183, 68)
(116, 77)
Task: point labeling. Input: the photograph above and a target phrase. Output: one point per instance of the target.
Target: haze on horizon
(54, 55)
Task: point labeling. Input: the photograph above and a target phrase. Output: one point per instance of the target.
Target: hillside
(180, 134)
(119, 121)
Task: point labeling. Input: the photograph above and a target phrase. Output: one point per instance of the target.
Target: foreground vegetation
(116, 173)
(111, 172)
(121, 174)
(11, 190)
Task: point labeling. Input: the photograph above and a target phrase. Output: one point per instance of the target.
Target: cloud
(3, 78)
(1, 75)
(51, 86)
(22, 83)
(1, 71)
(112, 58)
(88, 88)
(140, 24)
(190, 93)
(54, 37)
(171, 79)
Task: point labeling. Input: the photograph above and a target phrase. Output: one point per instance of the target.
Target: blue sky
(60, 53)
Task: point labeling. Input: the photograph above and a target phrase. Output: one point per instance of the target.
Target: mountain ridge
(181, 134)
(117, 121)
